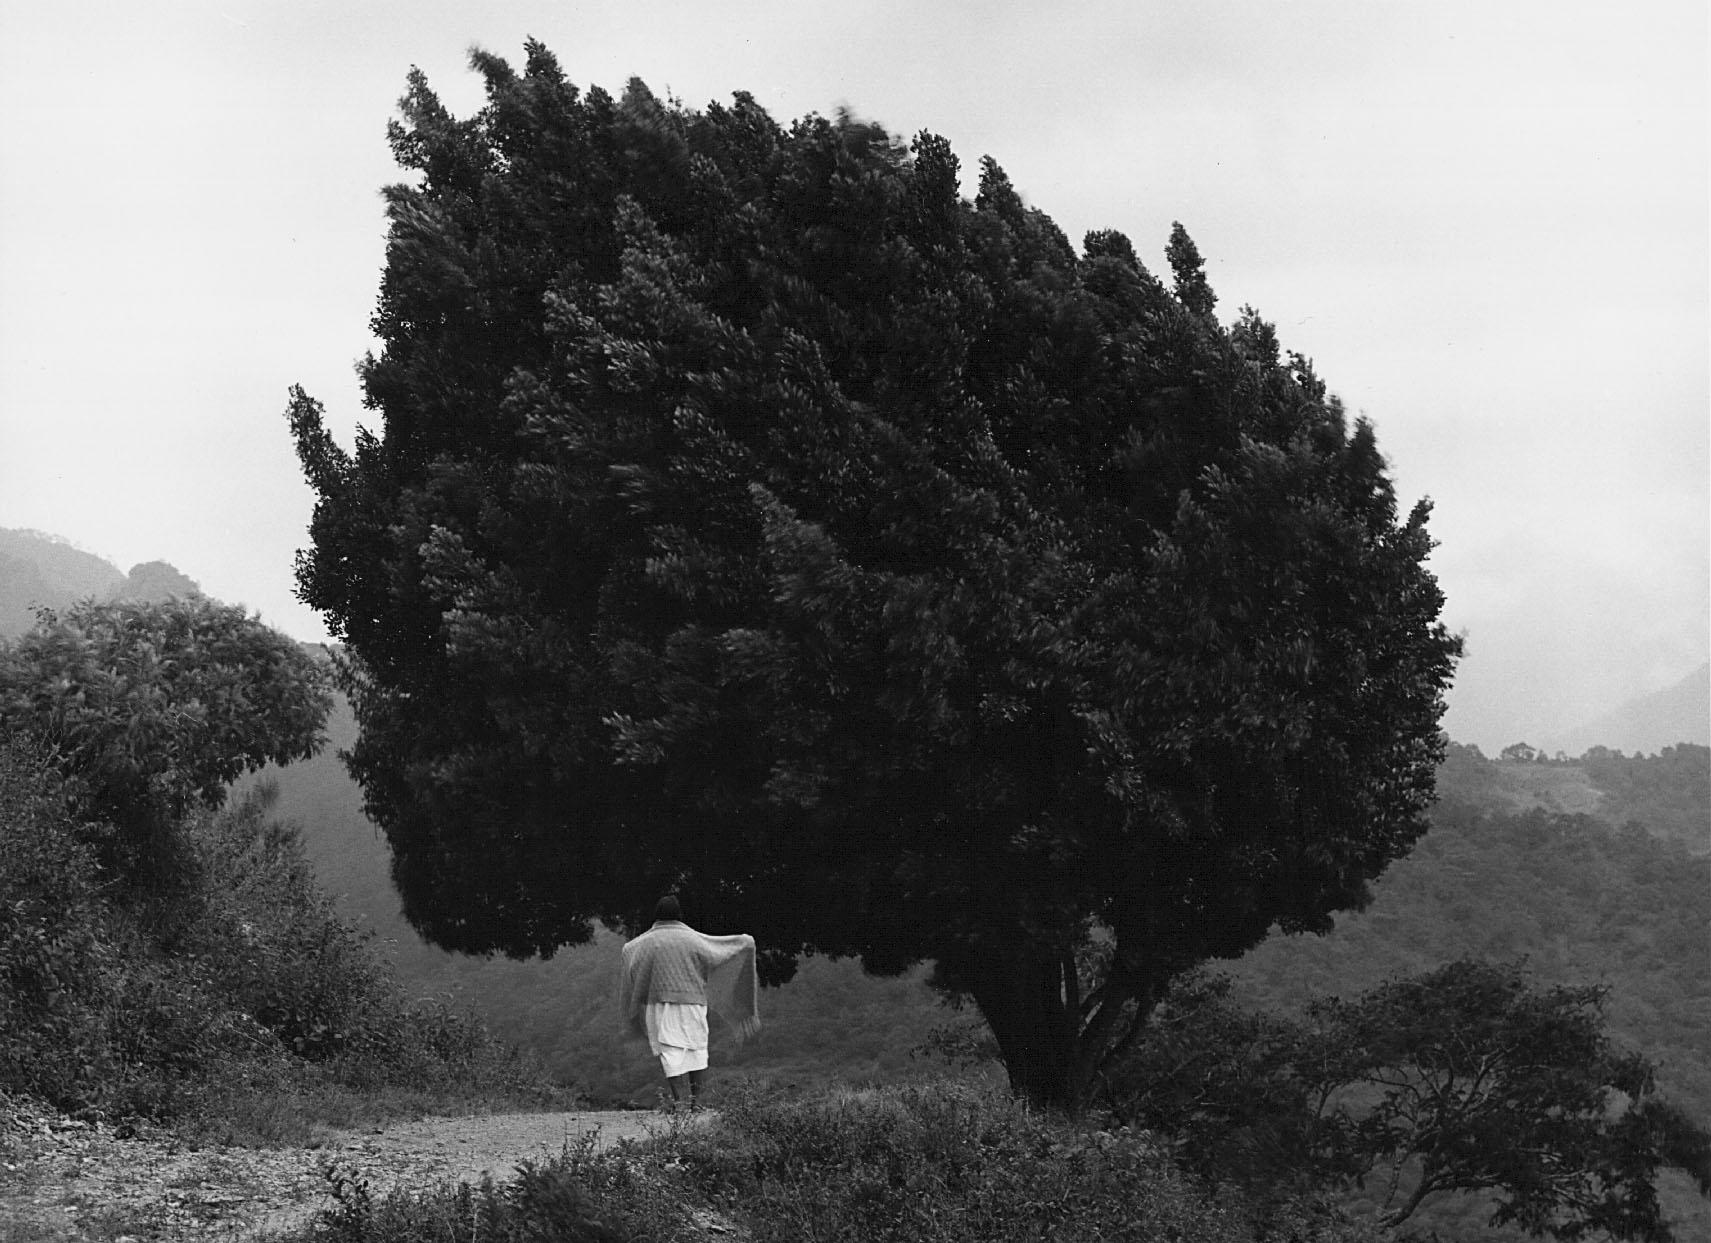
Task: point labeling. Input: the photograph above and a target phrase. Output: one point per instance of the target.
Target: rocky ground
(67, 1181)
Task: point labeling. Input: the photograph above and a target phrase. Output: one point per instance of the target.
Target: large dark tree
(753, 514)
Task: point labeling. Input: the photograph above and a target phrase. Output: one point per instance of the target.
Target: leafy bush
(947, 1162)
(56, 952)
(158, 955)
(93, 1016)
(240, 978)
(151, 709)
(1230, 1090)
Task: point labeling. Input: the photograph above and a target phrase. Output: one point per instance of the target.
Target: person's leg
(675, 1083)
(679, 1038)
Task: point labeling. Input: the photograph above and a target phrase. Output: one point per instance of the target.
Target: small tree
(148, 709)
(1465, 1079)
(1486, 1082)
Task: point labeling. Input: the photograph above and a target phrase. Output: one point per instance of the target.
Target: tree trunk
(1054, 1042)
(1035, 1020)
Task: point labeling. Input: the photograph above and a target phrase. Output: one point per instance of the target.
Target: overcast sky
(1486, 222)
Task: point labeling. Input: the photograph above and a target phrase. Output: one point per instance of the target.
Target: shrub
(239, 977)
(946, 1162)
(92, 1015)
(56, 956)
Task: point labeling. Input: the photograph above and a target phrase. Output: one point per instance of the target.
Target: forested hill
(1667, 793)
(44, 571)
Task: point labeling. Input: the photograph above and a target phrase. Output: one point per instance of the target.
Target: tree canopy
(755, 516)
(150, 709)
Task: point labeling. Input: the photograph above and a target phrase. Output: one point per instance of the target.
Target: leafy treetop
(149, 709)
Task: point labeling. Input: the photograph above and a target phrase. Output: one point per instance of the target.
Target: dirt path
(68, 1181)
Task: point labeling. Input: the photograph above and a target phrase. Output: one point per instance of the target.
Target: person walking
(671, 975)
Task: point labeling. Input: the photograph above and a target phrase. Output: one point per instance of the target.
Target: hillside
(1677, 713)
(1667, 793)
(44, 571)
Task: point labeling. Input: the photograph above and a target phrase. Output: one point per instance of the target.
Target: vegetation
(1467, 1078)
(1581, 900)
(922, 588)
(1667, 793)
(930, 1164)
(212, 983)
(150, 710)
(914, 567)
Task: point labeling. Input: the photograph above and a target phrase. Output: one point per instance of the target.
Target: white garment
(677, 1034)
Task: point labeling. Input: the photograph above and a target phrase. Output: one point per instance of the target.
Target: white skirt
(677, 1034)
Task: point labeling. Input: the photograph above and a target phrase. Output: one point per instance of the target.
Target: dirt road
(68, 1181)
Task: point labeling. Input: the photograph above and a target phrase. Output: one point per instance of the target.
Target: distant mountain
(1679, 713)
(38, 570)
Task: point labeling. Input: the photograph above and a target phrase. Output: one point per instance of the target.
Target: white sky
(1486, 221)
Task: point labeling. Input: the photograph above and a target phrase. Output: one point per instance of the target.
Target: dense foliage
(238, 995)
(1468, 1078)
(148, 710)
(754, 515)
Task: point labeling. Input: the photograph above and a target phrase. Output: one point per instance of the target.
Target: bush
(238, 978)
(1230, 1090)
(56, 953)
(92, 1015)
(947, 1162)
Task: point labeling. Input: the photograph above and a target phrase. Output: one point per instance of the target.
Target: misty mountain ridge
(1649, 723)
(38, 570)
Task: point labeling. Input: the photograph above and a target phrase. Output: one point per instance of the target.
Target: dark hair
(668, 907)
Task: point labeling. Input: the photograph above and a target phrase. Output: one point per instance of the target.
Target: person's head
(668, 907)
